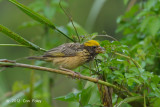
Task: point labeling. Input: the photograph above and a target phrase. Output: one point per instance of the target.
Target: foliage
(132, 64)
(140, 26)
(19, 39)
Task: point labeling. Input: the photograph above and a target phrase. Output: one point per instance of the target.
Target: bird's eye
(94, 47)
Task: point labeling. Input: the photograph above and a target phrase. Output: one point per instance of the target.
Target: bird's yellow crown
(91, 43)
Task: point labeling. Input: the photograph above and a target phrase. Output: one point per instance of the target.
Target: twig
(64, 34)
(70, 18)
(89, 68)
(109, 37)
(95, 80)
(128, 57)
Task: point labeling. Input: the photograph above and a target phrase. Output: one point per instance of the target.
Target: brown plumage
(71, 55)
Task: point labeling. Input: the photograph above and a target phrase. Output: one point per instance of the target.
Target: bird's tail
(37, 57)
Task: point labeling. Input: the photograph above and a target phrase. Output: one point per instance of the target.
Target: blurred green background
(81, 11)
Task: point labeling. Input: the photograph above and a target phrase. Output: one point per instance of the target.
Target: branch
(128, 57)
(8, 63)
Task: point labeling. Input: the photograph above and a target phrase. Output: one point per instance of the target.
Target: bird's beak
(100, 50)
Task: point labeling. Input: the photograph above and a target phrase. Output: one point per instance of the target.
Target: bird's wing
(68, 49)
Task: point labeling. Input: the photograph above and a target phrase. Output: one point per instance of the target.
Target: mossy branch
(8, 63)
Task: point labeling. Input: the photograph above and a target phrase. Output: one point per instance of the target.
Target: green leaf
(130, 81)
(151, 25)
(33, 14)
(37, 17)
(133, 69)
(132, 11)
(144, 23)
(156, 103)
(85, 95)
(73, 104)
(155, 89)
(18, 86)
(145, 75)
(12, 45)
(143, 13)
(128, 75)
(154, 25)
(118, 73)
(136, 80)
(116, 43)
(71, 97)
(95, 96)
(156, 79)
(129, 99)
(19, 39)
(71, 30)
(150, 3)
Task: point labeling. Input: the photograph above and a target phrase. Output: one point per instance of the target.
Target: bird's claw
(75, 74)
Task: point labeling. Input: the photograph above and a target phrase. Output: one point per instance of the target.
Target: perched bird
(72, 55)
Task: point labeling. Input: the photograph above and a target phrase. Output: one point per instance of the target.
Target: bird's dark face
(94, 50)
(99, 49)
(93, 47)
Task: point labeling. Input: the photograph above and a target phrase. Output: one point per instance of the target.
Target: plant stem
(64, 35)
(95, 80)
(128, 57)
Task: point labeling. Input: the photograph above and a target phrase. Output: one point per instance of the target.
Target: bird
(71, 55)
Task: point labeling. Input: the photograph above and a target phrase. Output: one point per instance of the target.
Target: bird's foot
(75, 74)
